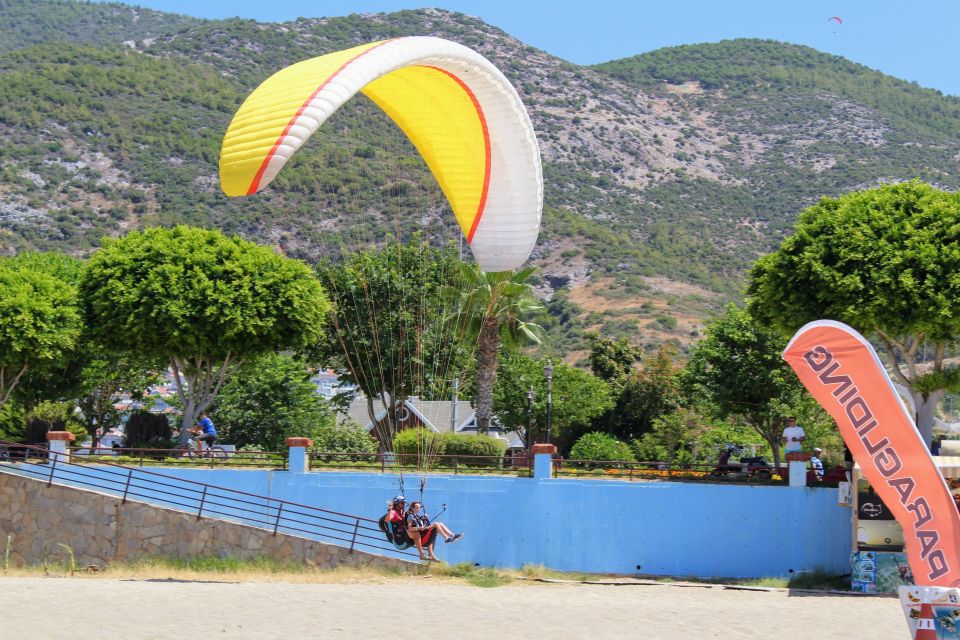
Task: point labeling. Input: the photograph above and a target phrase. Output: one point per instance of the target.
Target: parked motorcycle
(746, 468)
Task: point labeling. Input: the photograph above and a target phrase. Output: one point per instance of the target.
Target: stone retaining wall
(101, 529)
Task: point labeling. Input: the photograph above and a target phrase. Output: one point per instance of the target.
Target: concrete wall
(667, 528)
(100, 529)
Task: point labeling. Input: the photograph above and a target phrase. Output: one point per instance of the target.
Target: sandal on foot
(455, 537)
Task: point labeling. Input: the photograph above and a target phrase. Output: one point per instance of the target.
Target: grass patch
(776, 583)
(477, 576)
(820, 580)
(543, 573)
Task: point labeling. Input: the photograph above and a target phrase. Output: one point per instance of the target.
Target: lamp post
(529, 437)
(548, 372)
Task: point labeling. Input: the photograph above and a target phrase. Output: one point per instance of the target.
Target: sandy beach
(130, 609)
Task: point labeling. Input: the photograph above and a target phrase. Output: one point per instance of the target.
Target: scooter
(748, 468)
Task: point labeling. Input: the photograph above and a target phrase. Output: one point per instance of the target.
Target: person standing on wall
(793, 436)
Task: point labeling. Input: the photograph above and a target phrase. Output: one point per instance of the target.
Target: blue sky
(916, 41)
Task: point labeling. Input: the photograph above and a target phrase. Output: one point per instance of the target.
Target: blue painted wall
(669, 528)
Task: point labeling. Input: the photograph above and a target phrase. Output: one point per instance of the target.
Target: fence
(180, 457)
(519, 465)
(205, 500)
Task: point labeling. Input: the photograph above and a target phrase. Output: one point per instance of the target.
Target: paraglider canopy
(462, 115)
(835, 19)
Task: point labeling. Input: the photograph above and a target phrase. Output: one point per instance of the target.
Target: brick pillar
(543, 461)
(297, 461)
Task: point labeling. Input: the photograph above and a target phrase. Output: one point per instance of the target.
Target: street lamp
(548, 371)
(529, 437)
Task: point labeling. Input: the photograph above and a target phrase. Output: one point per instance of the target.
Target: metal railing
(201, 499)
(656, 470)
(180, 457)
(416, 463)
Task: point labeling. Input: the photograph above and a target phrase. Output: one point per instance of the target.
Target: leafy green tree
(60, 379)
(612, 359)
(102, 378)
(270, 399)
(578, 397)
(204, 302)
(386, 331)
(670, 437)
(494, 309)
(884, 261)
(600, 446)
(644, 395)
(40, 324)
(737, 367)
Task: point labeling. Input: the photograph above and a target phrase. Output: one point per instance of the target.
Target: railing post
(203, 498)
(141, 457)
(126, 487)
(298, 454)
(543, 461)
(53, 467)
(353, 541)
(59, 443)
(276, 524)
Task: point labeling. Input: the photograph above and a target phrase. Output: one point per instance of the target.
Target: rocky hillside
(666, 174)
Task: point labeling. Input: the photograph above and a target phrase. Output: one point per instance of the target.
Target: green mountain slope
(666, 174)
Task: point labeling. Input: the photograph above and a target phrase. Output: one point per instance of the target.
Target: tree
(201, 301)
(641, 394)
(884, 261)
(387, 332)
(59, 379)
(102, 378)
(492, 308)
(737, 367)
(612, 359)
(270, 399)
(40, 323)
(578, 397)
(645, 395)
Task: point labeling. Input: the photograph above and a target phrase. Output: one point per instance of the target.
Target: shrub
(411, 442)
(145, 430)
(601, 446)
(344, 438)
(414, 442)
(459, 444)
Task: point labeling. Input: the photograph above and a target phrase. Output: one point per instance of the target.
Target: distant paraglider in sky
(835, 20)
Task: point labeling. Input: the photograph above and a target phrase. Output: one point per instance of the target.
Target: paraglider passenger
(395, 511)
(424, 533)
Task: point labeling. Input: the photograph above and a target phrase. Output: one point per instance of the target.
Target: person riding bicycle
(207, 433)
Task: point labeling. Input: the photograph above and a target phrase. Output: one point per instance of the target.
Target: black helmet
(399, 500)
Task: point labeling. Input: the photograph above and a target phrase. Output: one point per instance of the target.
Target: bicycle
(194, 449)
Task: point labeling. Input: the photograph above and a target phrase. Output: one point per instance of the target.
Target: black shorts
(209, 438)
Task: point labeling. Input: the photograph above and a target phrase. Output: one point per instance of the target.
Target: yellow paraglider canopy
(462, 115)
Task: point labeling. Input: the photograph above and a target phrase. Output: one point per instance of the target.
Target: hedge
(450, 445)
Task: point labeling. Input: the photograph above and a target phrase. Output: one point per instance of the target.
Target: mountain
(666, 174)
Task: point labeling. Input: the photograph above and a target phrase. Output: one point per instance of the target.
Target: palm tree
(492, 308)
